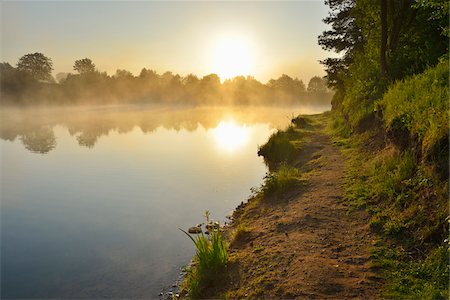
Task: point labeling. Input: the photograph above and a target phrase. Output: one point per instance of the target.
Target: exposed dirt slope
(308, 245)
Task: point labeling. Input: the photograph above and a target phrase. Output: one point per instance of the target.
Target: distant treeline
(31, 83)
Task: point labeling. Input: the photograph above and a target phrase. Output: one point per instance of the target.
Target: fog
(31, 83)
(34, 127)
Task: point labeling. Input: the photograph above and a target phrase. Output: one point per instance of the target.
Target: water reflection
(35, 127)
(39, 140)
(98, 215)
(229, 136)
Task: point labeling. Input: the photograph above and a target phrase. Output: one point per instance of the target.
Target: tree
(345, 36)
(317, 85)
(123, 74)
(37, 65)
(384, 38)
(84, 66)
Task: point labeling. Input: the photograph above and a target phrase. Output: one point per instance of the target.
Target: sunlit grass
(209, 263)
(279, 147)
(280, 181)
(408, 205)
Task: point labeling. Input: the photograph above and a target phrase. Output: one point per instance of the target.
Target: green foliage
(210, 262)
(417, 37)
(279, 147)
(419, 105)
(408, 204)
(277, 183)
(424, 279)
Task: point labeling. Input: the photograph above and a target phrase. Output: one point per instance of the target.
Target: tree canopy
(37, 65)
(83, 66)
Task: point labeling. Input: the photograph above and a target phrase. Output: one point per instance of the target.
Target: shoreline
(268, 231)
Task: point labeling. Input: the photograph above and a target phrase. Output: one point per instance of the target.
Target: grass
(210, 263)
(279, 147)
(240, 232)
(408, 204)
(278, 182)
(419, 106)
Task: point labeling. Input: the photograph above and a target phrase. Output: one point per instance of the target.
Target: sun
(231, 56)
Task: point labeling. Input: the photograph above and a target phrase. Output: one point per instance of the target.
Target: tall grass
(210, 261)
(419, 106)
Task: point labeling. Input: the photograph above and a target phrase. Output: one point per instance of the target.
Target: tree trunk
(384, 36)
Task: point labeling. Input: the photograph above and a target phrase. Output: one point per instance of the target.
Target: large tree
(37, 65)
(84, 66)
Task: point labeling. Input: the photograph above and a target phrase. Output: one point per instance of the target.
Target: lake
(92, 197)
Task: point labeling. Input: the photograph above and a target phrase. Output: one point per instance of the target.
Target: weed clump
(280, 181)
(209, 263)
(279, 147)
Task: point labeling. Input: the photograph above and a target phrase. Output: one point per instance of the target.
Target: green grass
(421, 279)
(278, 182)
(210, 263)
(418, 107)
(279, 147)
(408, 204)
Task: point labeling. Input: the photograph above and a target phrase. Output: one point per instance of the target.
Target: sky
(262, 39)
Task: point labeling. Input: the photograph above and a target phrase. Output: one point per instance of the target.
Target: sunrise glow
(229, 136)
(232, 56)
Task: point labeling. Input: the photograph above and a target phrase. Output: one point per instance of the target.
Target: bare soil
(307, 244)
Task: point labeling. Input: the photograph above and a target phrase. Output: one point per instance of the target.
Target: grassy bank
(400, 184)
(398, 171)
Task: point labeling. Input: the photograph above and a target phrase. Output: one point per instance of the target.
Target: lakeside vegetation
(209, 263)
(31, 83)
(398, 172)
(390, 116)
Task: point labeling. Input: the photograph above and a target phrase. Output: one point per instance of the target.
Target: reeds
(209, 263)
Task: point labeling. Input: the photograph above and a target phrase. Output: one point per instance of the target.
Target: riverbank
(304, 242)
(295, 237)
(339, 216)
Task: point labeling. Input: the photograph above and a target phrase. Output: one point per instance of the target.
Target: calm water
(92, 198)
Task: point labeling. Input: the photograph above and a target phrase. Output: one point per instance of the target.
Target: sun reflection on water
(230, 136)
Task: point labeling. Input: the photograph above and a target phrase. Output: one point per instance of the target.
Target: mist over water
(92, 197)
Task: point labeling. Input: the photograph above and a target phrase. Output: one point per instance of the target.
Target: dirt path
(309, 246)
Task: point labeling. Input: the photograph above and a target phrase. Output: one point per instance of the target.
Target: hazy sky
(265, 39)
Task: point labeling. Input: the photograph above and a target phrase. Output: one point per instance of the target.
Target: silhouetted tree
(317, 85)
(37, 65)
(83, 66)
